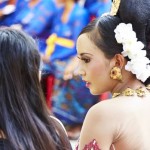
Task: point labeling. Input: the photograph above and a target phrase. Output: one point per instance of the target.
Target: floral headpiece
(139, 64)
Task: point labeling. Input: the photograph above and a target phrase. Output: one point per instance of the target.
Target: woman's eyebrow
(85, 54)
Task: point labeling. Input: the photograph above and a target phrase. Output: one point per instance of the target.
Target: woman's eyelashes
(85, 59)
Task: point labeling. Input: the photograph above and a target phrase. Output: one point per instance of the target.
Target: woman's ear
(119, 61)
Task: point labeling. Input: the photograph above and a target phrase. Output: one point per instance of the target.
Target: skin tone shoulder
(113, 122)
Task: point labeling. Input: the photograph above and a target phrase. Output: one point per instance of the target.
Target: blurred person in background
(7, 7)
(97, 7)
(68, 104)
(34, 17)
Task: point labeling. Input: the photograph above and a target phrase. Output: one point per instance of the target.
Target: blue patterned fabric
(3, 3)
(71, 99)
(98, 7)
(69, 30)
(10, 19)
(35, 21)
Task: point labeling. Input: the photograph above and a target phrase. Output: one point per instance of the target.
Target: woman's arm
(98, 128)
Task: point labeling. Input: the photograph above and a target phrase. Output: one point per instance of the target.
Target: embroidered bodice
(91, 146)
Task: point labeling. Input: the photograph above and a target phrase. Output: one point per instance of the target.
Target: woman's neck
(132, 83)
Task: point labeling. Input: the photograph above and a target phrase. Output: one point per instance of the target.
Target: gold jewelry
(115, 74)
(148, 87)
(115, 7)
(130, 92)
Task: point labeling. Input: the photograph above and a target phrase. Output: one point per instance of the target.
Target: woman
(116, 58)
(25, 120)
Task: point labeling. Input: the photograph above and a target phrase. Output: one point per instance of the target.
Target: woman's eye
(86, 60)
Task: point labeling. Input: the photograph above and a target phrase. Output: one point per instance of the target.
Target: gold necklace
(148, 87)
(131, 92)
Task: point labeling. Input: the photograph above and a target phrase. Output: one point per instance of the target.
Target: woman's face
(94, 67)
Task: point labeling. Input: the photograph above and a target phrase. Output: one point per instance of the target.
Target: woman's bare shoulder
(120, 106)
(103, 120)
(102, 123)
(113, 108)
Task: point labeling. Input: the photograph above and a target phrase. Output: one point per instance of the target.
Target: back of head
(23, 115)
(137, 13)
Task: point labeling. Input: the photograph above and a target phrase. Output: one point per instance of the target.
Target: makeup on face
(94, 64)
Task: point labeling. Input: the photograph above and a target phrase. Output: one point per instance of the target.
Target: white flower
(133, 49)
(123, 32)
(140, 68)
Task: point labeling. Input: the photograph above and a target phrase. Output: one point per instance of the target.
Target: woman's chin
(94, 92)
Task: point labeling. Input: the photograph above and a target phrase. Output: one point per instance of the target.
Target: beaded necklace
(140, 92)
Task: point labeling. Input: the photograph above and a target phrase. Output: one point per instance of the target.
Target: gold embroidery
(115, 95)
(148, 87)
(128, 92)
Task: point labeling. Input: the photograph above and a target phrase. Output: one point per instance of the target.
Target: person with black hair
(116, 58)
(25, 122)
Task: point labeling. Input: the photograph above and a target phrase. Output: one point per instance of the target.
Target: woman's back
(134, 131)
(129, 121)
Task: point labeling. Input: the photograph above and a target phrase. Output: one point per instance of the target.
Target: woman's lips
(87, 84)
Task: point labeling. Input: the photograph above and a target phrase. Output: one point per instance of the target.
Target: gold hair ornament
(115, 7)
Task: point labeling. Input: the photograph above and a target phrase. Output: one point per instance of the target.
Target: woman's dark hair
(137, 12)
(24, 117)
(101, 31)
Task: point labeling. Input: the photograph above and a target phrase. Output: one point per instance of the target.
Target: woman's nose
(82, 73)
(79, 71)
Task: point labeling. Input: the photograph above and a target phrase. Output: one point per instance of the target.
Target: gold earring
(115, 7)
(115, 74)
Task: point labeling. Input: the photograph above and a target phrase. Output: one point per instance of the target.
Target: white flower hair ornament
(139, 64)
